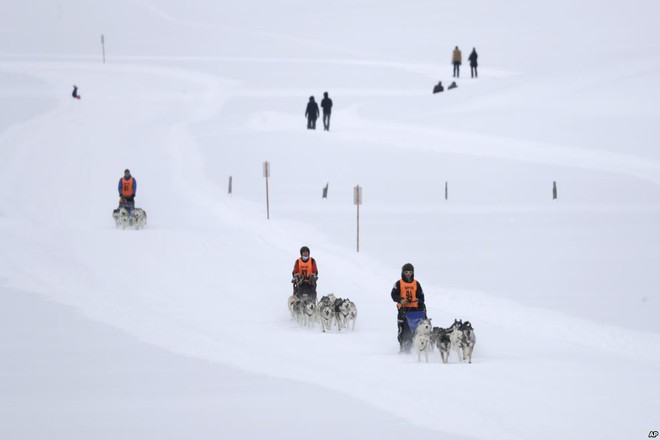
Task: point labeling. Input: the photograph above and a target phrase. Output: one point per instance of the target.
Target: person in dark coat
(75, 92)
(326, 105)
(473, 63)
(456, 60)
(312, 113)
(408, 295)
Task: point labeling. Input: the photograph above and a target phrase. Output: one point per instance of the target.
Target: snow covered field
(181, 331)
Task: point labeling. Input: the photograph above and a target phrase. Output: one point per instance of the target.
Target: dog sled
(412, 318)
(304, 286)
(123, 218)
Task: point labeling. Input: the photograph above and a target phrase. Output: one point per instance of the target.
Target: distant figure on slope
(127, 188)
(452, 85)
(408, 295)
(473, 63)
(326, 105)
(75, 92)
(312, 113)
(305, 272)
(456, 60)
(438, 87)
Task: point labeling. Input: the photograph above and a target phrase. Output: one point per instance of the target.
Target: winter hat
(409, 267)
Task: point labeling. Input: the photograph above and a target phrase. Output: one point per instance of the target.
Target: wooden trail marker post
(357, 200)
(267, 175)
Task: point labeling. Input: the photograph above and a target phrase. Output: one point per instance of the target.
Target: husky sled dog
(139, 218)
(352, 314)
(440, 339)
(468, 340)
(455, 338)
(308, 317)
(345, 311)
(422, 339)
(303, 310)
(291, 302)
(123, 220)
(325, 311)
(462, 339)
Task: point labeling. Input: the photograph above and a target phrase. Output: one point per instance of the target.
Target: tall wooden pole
(357, 199)
(267, 175)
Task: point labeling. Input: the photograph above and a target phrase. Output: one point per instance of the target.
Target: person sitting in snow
(127, 188)
(305, 274)
(408, 295)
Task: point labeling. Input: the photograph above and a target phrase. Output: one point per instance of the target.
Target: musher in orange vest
(127, 188)
(305, 274)
(408, 295)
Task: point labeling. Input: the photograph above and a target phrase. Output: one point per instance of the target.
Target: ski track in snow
(163, 312)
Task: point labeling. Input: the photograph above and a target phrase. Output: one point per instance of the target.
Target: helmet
(408, 267)
(127, 171)
(303, 249)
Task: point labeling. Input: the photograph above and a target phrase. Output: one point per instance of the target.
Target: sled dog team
(415, 329)
(127, 215)
(458, 337)
(330, 309)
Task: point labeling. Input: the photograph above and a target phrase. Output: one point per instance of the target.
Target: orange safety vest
(409, 292)
(127, 187)
(305, 267)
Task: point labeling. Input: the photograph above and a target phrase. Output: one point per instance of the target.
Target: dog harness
(408, 291)
(127, 187)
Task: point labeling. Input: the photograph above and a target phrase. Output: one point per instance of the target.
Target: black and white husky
(422, 339)
(325, 311)
(455, 338)
(462, 339)
(440, 339)
(303, 310)
(123, 220)
(468, 340)
(345, 312)
(291, 302)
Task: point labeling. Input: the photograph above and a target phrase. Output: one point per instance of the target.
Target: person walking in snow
(456, 60)
(473, 63)
(326, 105)
(312, 113)
(127, 188)
(408, 295)
(305, 273)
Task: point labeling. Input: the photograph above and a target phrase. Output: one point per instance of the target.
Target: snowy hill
(181, 330)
